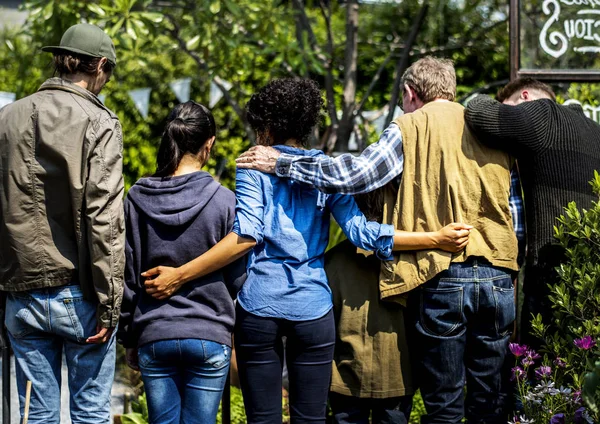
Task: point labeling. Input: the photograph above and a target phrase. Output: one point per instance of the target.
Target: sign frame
(558, 75)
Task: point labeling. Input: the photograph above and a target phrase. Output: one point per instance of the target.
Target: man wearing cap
(62, 231)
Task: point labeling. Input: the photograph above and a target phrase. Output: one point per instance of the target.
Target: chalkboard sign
(555, 39)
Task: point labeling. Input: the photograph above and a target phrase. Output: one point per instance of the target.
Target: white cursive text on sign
(585, 26)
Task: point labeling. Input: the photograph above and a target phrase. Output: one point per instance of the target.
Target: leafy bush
(550, 386)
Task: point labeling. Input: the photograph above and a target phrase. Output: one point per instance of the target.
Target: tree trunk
(346, 124)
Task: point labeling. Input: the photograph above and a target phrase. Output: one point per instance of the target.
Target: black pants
(309, 356)
(354, 410)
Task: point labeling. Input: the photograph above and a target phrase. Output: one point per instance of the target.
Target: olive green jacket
(61, 196)
(371, 357)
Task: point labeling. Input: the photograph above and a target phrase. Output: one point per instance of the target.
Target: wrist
(435, 238)
(183, 274)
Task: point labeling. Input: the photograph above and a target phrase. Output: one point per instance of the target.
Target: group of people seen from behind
(181, 270)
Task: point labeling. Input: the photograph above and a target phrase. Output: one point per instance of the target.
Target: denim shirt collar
(296, 151)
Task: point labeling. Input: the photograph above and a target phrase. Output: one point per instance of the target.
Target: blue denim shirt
(290, 223)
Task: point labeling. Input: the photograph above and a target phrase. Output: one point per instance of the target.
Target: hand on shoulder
(261, 158)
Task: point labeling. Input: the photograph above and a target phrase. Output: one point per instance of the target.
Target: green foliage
(238, 412)
(591, 387)
(571, 346)
(418, 409)
(139, 414)
(247, 43)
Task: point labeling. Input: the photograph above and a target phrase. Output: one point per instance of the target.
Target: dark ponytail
(189, 126)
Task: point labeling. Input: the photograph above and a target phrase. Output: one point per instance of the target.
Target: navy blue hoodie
(171, 221)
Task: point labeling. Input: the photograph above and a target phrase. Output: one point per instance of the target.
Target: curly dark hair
(284, 109)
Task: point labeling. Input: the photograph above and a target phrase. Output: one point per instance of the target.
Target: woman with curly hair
(285, 227)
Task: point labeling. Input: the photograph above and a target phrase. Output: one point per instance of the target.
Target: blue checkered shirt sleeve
(515, 204)
(375, 167)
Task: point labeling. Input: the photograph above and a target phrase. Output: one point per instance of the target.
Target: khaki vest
(448, 177)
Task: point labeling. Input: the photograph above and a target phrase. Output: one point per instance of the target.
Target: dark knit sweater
(557, 149)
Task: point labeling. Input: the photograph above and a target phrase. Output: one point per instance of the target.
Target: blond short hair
(431, 79)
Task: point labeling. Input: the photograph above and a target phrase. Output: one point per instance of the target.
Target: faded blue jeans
(42, 324)
(464, 318)
(184, 379)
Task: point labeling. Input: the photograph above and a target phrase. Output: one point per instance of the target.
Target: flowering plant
(550, 387)
(543, 401)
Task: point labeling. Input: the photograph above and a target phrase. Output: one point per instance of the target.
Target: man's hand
(453, 237)
(261, 158)
(167, 282)
(131, 357)
(102, 335)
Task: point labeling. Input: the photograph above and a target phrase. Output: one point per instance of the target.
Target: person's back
(46, 145)
(181, 342)
(557, 150)
(61, 222)
(372, 373)
(461, 305)
(448, 176)
(286, 276)
(170, 221)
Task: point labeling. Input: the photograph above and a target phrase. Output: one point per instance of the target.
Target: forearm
(228, 250)
(377, 165)
(407, 240)
(509, 128)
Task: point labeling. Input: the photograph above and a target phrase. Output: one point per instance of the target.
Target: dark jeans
(464, 318)
(309, 356)
(354, 410)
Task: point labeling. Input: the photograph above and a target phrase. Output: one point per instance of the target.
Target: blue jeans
(464, 318)
(184, 379)
(309, 357)
(41, 325)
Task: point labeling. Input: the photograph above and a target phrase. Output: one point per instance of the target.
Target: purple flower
(517, 374)
(527, 362)
(517, 349)
(532, 355)
(558, 419)
(560, 363)
(542, 372)
(585, 343)
(582, 417)
(577, 397)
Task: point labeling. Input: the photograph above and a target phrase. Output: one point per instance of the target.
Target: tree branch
(306, 25)
(374, 81)
(401, 65)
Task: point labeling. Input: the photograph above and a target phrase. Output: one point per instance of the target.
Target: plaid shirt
(378, 164)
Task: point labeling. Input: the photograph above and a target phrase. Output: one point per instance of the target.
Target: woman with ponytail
(181, 345)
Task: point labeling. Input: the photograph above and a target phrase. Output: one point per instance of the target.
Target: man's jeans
(184, 379)
(41, 325)
(464, 318)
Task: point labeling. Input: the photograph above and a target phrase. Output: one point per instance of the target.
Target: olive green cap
(88, 40)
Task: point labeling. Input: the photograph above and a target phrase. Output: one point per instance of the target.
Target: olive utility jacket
(61, 196)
